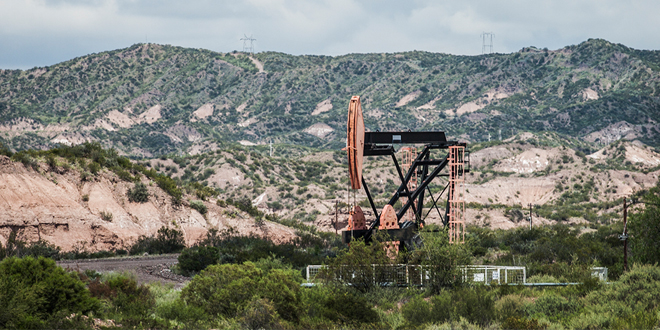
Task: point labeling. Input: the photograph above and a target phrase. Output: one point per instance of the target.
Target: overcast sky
(45, 32)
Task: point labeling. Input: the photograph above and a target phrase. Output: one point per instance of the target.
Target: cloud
(44, 32)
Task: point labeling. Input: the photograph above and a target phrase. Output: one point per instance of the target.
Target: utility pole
(530, 216)
(624, 237)
(336, 216)
(271, 148)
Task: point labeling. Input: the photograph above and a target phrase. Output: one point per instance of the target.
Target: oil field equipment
(417, 172)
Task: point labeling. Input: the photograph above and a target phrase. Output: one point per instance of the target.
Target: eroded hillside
(71, 208)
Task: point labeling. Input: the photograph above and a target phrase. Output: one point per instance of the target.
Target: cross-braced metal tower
(250, 48)
(487, 42)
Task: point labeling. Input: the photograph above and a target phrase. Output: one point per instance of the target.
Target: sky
(45, 32)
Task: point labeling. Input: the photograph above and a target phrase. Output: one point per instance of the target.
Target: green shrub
(227, 290)
(94, 167)
(187, 316)
(639, 320)
(27, 159)
(510, 306)
(195, 259)
(167, 240)
(475, 304)
(260, 313)
(339, 305)
(5, 151)
(131, 304)
(199, 206)
(552, 305)
(417, 312)
(35, 292)
(138, 194)
(17, 248)
(517, 322)
(635, 291)
(106, 216)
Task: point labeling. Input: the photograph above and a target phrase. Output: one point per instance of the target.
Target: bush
(17, 248)
(106, 216)
(260, 314)
(168, 240)
(94, 167)
(194, 260)
(417, 312)
(552, 305)
(138, 194)
(35, 292)
(199, 206)
(635, 291)
(510, 306)
(474, 304)
(27, 159)
(338, 305)
(131, 303)
(228, 289)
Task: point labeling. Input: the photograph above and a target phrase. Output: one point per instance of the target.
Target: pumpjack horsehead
(417, 172)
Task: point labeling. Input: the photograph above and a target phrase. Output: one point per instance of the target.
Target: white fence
(600, 272)
(417, 275)
(487, 274)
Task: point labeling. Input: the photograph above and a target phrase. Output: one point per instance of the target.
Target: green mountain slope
(153, 99)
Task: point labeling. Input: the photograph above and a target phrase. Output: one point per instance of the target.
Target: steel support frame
(415, 199)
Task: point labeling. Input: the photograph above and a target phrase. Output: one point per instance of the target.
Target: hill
(62, 198)
(149, 99)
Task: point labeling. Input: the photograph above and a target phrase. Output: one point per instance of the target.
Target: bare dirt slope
(63, 209)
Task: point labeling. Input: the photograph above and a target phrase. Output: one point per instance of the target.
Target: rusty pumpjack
(404, 233)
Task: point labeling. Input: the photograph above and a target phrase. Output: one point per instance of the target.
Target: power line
(487, 42)
(248, 48)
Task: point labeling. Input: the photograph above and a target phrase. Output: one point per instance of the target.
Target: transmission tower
(487, 42)
(248, 44)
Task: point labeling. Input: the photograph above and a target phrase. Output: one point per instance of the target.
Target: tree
(441, 259)
(354, 266)
(644, 229)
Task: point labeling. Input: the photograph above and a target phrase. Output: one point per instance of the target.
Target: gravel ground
(147, 269)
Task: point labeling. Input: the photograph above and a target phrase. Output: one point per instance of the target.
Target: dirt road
(147, 269)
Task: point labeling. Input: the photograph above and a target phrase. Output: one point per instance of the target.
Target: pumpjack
(402, 225)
